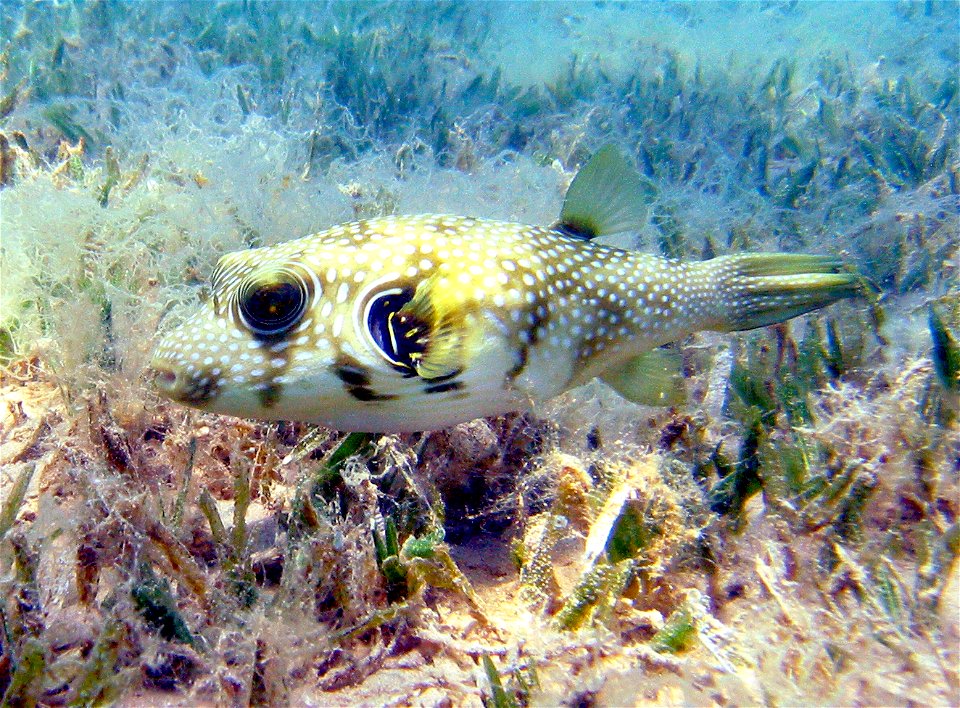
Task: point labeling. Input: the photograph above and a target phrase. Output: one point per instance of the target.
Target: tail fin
(758, 289)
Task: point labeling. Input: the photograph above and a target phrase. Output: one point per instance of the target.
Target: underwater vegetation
(789, 534)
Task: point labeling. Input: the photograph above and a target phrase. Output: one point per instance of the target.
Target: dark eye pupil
(400, 337)
(273, 309)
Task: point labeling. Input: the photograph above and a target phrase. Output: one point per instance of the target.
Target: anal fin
(654, 378)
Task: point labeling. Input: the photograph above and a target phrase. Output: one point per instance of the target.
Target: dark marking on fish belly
(538, 315)
(443, 387)
(523, 352)
(199, 394)
(446, 377)
(351, 373)
(366, 394)
(269, 395)
(356, 380)
(539, 321)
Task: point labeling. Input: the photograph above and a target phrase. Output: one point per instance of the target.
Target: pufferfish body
(412, 323)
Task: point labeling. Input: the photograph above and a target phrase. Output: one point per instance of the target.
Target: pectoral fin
(654, 378)
(433, 321)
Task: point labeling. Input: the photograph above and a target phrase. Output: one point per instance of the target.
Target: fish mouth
(173, 383)
(166, 380)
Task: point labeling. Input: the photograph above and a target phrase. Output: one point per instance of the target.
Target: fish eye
(399, 337)
(272, 308)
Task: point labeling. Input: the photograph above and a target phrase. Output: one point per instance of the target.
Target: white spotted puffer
(420, 322)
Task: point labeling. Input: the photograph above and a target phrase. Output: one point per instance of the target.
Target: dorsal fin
(607, 196)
